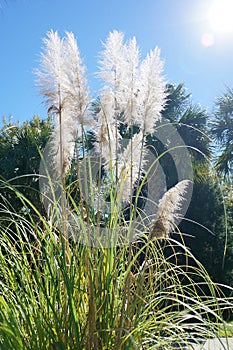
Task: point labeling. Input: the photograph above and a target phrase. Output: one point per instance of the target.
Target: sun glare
(221, 16)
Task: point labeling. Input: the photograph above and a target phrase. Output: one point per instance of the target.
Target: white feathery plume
(76, 83)
(112, 66)
(119, 70)
(107, 140)
(152, 96)
(106, 109)
(134, 93)
(62, 81)
(107, 145)
(139, 90)
(127, 97)
(131, 165)
(168, 209)
(112, 61)
(51, 75)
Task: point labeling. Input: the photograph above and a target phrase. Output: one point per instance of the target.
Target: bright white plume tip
(168, 210)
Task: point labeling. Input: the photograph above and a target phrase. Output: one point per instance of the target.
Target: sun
(221, 16)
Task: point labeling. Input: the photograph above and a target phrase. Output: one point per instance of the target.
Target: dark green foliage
(205, 229)
(177, 102)
(20, 148)
(222, 130)
(190, 121)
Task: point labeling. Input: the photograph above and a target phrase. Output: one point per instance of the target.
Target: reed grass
(80, 278)
(74, 296)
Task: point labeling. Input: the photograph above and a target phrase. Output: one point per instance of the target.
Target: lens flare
(207, 39)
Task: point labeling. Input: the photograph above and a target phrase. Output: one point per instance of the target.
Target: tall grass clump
(102, 298)
(93, 273)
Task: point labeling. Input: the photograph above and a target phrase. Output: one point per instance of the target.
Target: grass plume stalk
(61, 80)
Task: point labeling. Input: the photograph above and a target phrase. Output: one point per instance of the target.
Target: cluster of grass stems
(59, 294)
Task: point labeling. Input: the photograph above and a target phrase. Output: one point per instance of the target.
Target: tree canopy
(221, 128)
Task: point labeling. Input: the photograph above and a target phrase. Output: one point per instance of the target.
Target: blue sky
(178, 27)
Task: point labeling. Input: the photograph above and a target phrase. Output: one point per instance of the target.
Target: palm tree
(189, 119)
(20, 147)
(191, 123)
(222, 131)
